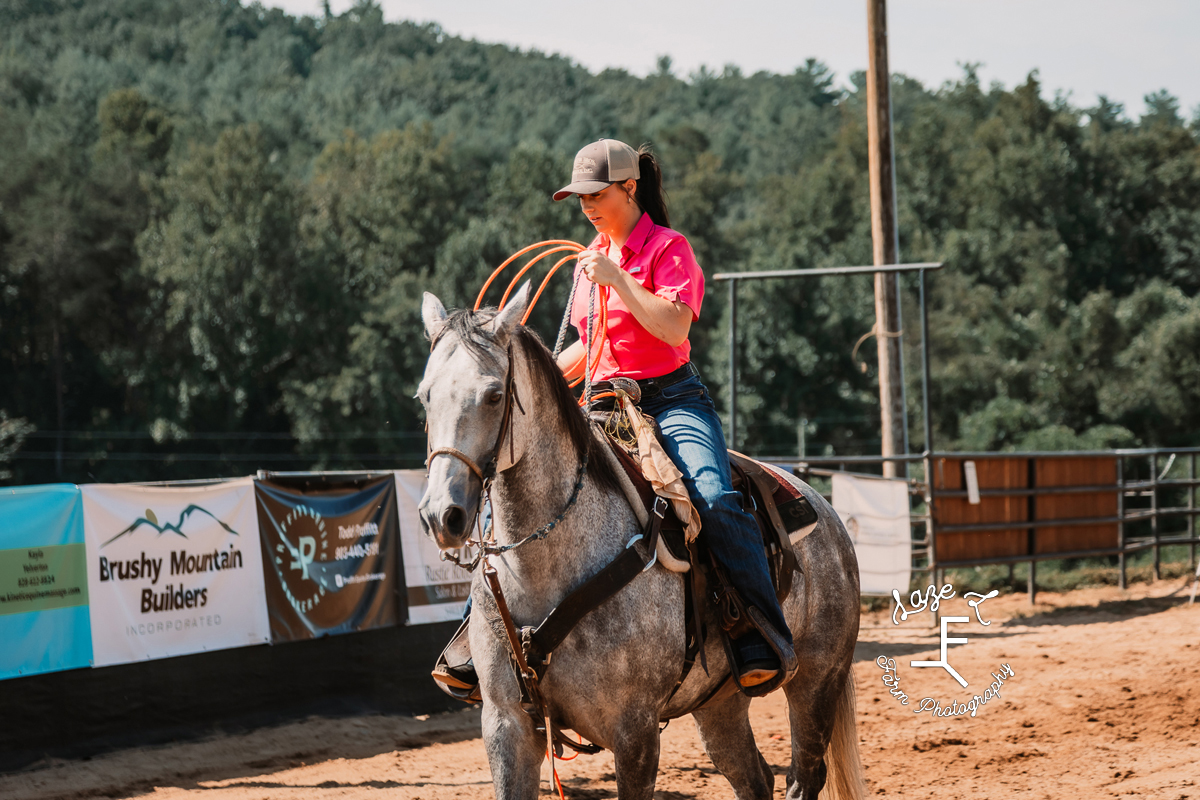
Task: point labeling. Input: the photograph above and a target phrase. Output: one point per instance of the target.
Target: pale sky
(1124, 49)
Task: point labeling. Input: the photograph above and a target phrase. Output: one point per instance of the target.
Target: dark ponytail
(650, 196)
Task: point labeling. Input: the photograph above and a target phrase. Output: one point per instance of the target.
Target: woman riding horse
(656, 292)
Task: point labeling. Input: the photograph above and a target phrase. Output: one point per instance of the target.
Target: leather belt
(652, 387)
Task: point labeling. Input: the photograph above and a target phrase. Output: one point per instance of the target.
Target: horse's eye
(495, 397)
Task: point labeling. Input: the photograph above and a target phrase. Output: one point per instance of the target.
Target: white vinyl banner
(173, 570)
(437, 590)
(876, 515)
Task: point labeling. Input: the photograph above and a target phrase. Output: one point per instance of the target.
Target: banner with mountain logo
(173, 570)
(44, 623)
(330, 554)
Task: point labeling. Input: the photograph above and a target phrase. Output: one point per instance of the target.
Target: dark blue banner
(331, 554)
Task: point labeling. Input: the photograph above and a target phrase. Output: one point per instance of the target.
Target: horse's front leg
(635, 754)
(515, 752)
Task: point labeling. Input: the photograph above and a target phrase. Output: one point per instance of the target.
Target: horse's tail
(844, 772)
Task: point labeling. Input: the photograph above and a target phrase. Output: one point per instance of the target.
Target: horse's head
(467, 392)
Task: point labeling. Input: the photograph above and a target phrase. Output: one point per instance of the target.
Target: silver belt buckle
(630, 387)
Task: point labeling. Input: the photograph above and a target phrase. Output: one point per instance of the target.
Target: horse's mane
(471, 329)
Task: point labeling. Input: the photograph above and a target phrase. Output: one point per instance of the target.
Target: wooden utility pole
(885, 239)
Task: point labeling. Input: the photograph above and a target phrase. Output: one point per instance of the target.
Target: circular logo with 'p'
(304, 541)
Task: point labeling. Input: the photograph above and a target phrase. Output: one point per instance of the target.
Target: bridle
(488, 471)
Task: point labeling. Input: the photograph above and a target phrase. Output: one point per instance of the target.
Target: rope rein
(486, 473)
(487, 545)
(587, 373)
(566, 321)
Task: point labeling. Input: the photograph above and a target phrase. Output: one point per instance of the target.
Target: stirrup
(454, 671)
(753, 675)
(762, 676)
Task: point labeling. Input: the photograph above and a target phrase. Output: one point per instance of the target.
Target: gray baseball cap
(598, 165)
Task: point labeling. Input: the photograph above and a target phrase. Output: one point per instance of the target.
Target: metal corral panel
(993, 473)
(1079, 490)
(1076, 471)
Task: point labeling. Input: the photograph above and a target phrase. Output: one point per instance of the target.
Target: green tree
(233, 316)
(217, 220)
(378, 212)
(12, 436)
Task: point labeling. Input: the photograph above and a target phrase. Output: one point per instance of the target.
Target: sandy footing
(1103, 701)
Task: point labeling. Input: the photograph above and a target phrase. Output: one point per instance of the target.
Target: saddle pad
(672, 529)
(794, 509)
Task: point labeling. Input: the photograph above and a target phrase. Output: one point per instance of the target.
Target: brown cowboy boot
(455, 671)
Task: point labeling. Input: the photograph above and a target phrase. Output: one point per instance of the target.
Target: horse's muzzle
(448, 522)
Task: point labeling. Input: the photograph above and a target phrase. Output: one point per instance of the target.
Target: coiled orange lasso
(556, 246)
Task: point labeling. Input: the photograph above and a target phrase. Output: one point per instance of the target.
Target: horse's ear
(433, 313)
(510, 316)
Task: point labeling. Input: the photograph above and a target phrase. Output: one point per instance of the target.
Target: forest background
(216, 223)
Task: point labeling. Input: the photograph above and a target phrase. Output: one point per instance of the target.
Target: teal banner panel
(44, 621)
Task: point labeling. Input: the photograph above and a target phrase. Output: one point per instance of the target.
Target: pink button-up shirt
(663, 262)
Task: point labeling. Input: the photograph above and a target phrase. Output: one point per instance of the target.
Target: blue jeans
(696, 443)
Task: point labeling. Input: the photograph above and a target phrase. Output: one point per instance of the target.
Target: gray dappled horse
(611, 679)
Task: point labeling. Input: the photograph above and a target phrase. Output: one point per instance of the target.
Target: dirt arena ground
(1104, 701)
